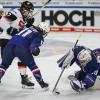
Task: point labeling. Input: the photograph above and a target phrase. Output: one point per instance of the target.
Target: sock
(22, 68)
(37, 74)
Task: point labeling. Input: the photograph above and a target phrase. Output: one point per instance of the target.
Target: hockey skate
(26, 83)
(44, 85)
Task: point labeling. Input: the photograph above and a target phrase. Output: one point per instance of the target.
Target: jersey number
(24, 32)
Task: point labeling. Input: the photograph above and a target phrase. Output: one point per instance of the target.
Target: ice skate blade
(45, 89)
(27, 87)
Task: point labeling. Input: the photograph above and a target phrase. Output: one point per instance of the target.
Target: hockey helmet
(44, 26)
(27, 6)
(84, 56)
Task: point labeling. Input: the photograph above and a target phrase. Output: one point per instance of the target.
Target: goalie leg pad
(76, 86)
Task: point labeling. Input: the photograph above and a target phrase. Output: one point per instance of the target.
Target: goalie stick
(54, 89)
(61, 61)
(45, 4)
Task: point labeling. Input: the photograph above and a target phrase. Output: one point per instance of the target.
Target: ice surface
(10, 88)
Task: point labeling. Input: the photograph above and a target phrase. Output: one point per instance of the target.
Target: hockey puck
(57, 92)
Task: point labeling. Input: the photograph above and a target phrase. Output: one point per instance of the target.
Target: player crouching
(25, 45)
(89, 63)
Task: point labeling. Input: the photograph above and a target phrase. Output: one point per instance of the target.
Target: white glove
(68, 59)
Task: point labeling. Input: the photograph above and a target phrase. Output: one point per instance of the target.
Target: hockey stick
(62, 60)
(54, 89)
(45, 4)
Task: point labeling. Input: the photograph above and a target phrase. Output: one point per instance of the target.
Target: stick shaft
(46, 3)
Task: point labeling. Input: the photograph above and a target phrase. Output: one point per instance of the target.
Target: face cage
(45, 34)
(85, 60)
(29, 11)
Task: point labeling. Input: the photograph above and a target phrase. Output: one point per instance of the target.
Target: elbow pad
(12, 31)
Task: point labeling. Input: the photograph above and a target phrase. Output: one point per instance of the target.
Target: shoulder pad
(16, 12)
(11, 16)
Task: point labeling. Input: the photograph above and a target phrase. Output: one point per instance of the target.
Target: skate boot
(26, 83)
(44, 85)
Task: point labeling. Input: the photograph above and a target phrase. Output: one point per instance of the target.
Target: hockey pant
(11, 51)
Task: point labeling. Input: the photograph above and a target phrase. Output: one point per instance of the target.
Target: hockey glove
(35, 51)
(12, 31)
(30, 21)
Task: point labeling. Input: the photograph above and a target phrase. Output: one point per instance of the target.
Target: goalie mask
(84, 56)
(45, 28)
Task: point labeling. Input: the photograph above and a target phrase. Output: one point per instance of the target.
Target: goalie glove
(68, 59)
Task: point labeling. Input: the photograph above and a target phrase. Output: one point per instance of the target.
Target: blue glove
(35, 51)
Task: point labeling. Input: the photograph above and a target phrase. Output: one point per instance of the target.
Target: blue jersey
(87, 67)
(27, 38)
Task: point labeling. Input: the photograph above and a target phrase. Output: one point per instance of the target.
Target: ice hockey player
(89, 62)
(10, 24)
(23, 45)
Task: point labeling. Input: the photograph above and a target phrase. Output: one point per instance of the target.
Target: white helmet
(44, 26)
(84, 56)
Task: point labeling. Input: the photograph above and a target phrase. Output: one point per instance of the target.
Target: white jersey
(19, 22)
(17, 13)
(20, 19)
(5, 24)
